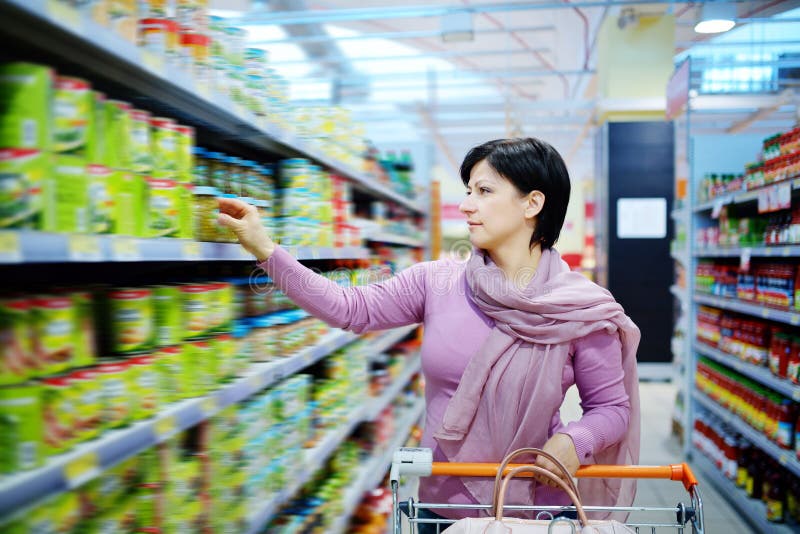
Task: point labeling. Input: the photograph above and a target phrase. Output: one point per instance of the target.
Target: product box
(118, 152)
(53, 325)
(26, 92)
(140, 146)
(17, 355)
(67, 206)
(20, 428)
(73, 116)
(22, 182)
(97, 149)
(163, 208)
(58, 414)
(130, 195)
(101, 199)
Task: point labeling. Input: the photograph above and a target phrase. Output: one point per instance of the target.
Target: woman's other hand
(245, 221)
(562, 447)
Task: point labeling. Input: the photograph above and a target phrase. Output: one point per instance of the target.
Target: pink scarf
(511, 387)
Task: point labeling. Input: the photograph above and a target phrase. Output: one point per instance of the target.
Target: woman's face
(497, 214)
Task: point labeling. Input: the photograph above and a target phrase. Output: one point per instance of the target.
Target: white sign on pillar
(641, 218)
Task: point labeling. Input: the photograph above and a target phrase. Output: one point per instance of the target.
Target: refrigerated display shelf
(375, 468)
(775, 251)
(377, 404)
(755, 310)
(758, 373)
(753, 510)
(394, 239)
(743, 196)
(314, 460)
(87, 460)
(29, 246)
(785, 457)
(62, 34)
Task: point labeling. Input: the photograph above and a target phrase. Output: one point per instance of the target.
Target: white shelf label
(794, 319)
(84, 248)
(10, 250)
(81, 469)
(125, 249)
(191, 250)
(153, 62)
(209, 406)
(63, 14)
(165, 427)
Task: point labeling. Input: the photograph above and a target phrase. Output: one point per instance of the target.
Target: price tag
(204, 91)
(191, 250)
(784, 459)
(84, 248)
(165, 427)
(717, 208)
(125, 249)
(10, 249)
(764, 313)
(63, 14)
(796, 395)
(744, 258)
(209, 406)
(255, 381)
(81, 469)
(153, 62)
(794, 319)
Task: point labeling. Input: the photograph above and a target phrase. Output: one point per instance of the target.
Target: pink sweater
(435, 294)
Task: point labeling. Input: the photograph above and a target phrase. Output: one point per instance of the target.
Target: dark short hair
(531, 165)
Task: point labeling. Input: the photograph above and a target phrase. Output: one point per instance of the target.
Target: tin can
(131, 315)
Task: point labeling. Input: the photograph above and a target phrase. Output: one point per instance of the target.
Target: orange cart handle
(681, 472)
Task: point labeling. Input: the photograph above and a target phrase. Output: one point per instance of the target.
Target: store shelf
(777, 251)
(65, 36)
(394, 239)
(785, 457)
(389, 339)
(741, 197)
(377, 404)
(87, 460)
(753, 510)
(679, 292)
(28, 246)
(760, 374)
(764, 312)
(375, 469)
(679, 214)
(680, 254)
(314, 460)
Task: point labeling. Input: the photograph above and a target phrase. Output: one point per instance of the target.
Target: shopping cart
(419, 462)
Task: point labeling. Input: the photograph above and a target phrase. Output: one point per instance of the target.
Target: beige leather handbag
(560, 525)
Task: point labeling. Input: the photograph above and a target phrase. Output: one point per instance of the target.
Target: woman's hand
(562, 447)
(244, 220)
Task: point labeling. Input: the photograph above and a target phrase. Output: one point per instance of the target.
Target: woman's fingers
(233, 207)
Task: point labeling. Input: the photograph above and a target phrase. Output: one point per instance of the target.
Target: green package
(66, 206)
(174, 379)
(143, 382)
(17, 356)
(164, 143)
(163, 208)
(168, 320)
(58, 414)
(20, 428)
(83, 330)
(130, 197)
(184, 143)
(61, 513)
(22, 173)
(97, 147)
(101, 199)
(73, 116)
(140, 149)
(186, 211)
(26, 90)
(53, 322)
(131, 319)
(116, 399)
(87, 388)
(118, 135)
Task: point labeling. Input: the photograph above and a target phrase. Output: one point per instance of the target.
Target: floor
(659, 447)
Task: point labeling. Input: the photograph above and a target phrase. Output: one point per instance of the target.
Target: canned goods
(88, 395)
(17, 356)
(101, 199)
(143, 382)
(163, 213)
(72, 110)
(195, 303)
(140, 149)
(53, 323)
(85, 348)
(117, 402)
(58, 414)
(184, 141)
(118, 134)
(172, 380)
(163, 144)
(20, 428)
(206, 209)
(167, 313)
(131, 315)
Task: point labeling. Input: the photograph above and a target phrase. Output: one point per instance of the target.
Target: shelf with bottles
(754, 509)
(764, 417)
(78, 45)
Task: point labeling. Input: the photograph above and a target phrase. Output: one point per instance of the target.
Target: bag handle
(566, 477)
(498, 514)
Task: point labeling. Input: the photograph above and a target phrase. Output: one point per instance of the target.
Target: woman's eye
(485, 190)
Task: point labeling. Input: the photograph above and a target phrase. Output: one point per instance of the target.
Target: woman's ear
(535, 203)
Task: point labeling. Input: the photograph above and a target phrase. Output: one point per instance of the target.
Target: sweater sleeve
(606, 408)
(395, 302)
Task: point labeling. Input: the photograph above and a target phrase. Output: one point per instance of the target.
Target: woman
(506, 333)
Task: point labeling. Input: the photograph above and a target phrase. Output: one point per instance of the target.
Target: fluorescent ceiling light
(717, 17)
(457, 27)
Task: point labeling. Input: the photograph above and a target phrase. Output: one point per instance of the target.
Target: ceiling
(530, 68)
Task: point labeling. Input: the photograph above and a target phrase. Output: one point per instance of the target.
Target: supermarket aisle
(658, 448)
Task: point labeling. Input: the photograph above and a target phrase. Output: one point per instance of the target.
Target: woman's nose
(466, 206)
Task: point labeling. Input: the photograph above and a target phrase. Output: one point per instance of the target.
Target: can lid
(184, 129)
(162, 122)
(71, 83)
(140, 114)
